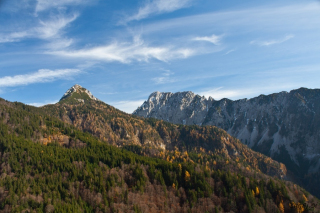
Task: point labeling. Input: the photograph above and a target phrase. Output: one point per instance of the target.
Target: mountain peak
(78, 93)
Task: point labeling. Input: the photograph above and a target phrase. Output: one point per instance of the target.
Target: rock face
(80, 94)
(180, 108)
(285, 126)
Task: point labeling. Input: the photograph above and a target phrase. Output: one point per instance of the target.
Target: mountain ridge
(281, 125)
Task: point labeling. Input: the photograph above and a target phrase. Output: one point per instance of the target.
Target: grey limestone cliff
(285, 126)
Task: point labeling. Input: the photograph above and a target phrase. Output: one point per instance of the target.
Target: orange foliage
(281, 207)
(187, 176)
(298, 207)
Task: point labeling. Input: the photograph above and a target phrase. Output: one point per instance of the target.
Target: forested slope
(48, 165)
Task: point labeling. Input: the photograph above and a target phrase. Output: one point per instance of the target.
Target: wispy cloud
(157, 7)
(43, 5)
(272, 42)
(164, 78)
(126, 52)
(59, 43)
(214, 39)
(43, 103)
(52, 28)
(254, 90)
(49, 29)
(13, 37)
(273, 19)
(128, 106)
(230, 51)
(43, 75)
(220, 93)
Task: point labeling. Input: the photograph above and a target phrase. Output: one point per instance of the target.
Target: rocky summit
(283, 125)
(78, 93)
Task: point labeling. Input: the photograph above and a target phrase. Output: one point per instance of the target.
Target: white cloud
(43, 5)
(220, 93)
(164, 78)
(13, 37)
(158, 7)
(272, 42)
(53, 27)
(230, 51)
(49, 29)
(43, 75)
(58, 44)
(44, 103)
(214, 39)
(273, 19)
(128, 106)
(252, 91)
(126, 52)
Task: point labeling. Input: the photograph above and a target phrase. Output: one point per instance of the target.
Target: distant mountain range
(285, 126)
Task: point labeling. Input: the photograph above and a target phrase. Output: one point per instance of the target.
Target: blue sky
(122, 51)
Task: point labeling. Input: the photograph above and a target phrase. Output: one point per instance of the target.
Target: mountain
(283, 125)
(121, 129)
(77, 93)
(86, 156)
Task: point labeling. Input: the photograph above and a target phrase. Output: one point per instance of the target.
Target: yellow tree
(187, 176)
(174, 186)
(257, 191)
(300, 208)
(281, 207)
(297, 206)
(304, 198)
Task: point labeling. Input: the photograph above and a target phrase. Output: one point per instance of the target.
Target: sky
(122, 51)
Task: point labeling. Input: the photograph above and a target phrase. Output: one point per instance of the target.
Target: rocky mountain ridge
(283, 125)
(184, 108)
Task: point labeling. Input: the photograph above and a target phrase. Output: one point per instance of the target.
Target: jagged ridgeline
(284, 126)
(60, 158)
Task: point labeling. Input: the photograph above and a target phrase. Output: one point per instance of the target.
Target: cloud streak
(127, 52)
(230, 51)
(244, 20)
(49, 29)
(156, 7)
(42, 76)
(165, 78)
(214, 39)
(44, 103)
(272, 42)
(220, 93)
(43, 5)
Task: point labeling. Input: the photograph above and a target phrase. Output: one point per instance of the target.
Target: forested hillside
(50, 165)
